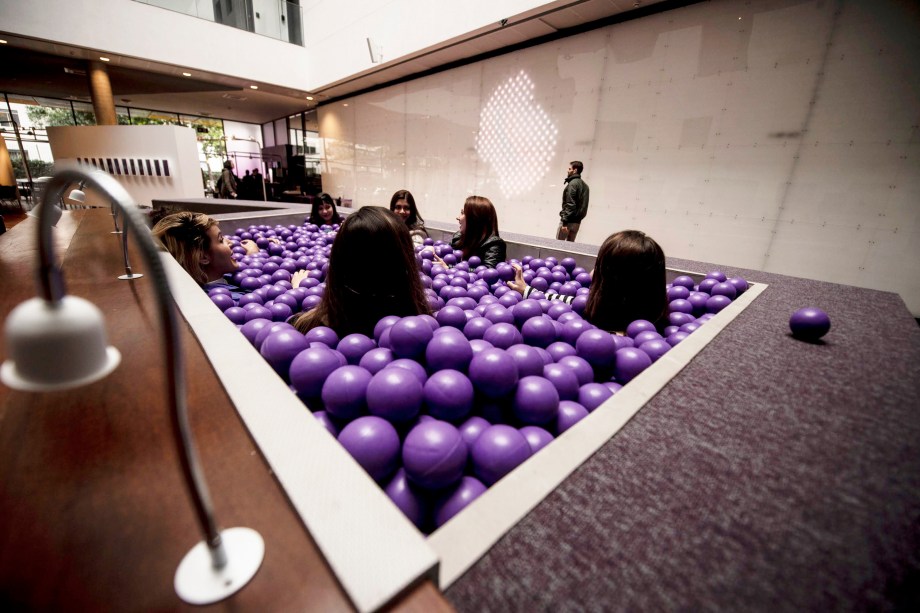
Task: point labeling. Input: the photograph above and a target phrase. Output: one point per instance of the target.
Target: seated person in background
(628, 283)
(196, 242)
(324, 212)
(372, 273)
(403, 204)
(478, 233)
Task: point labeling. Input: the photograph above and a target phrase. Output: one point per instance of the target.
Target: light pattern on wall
(516, 136)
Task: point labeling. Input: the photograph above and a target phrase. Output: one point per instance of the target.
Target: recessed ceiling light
(346, 104)
(253, 87)
(104, 59)
(186, 74)
(309, 97)
(2, 42)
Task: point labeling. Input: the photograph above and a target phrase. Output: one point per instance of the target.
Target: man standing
(574, 203)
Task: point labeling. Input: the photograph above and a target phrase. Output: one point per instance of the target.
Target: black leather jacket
(492, 251)
(574, 200)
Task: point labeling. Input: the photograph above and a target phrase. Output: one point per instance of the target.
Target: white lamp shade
(56, 347)
(55, 213)
(78, 195)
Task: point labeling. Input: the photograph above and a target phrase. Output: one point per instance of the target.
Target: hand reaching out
(298, 277)
(250, 247)
(518, 284)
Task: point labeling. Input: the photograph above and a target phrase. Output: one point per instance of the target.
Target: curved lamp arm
(52, 289)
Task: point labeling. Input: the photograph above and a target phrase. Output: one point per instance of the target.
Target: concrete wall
(779, 135)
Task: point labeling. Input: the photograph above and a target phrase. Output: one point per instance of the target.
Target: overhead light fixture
(309, 97)
(58, 342)
(345, 104)
(2, 42)
(186, 74)
(104, 59)
(253, 87)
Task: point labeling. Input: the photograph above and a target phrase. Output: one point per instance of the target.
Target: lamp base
(198, 582)
(133, 275)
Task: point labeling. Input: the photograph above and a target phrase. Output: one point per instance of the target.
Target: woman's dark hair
(414, 217)
(629, 282)
(481, 223)
(372, 273)
(315, 219)
(228, 165)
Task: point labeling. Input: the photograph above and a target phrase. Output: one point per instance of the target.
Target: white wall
(176, 144)
(779, 135)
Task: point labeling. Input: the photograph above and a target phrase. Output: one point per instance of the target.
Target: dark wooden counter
(94, 514)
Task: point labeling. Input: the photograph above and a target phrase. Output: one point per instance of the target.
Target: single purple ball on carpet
(563, 379)
(583, 371)
(493, 373)
(280, 348)
(376, 360)
(527, 358)
(448, 395)
(498, 451)
(809, 323)
(434, 455)
(324, 335)
(374, 443)
(354, 346)
(630, 361)
(570, 413)
(536, 400)
(449, 349)
(409, 337)
(592, 395)
(344, 393)
(472, 428)
(468, 490)
(407, 498)
(537, 437)
(395, 394)
(597, 347)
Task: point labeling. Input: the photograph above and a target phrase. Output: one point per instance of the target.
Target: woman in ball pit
(628, 282)
(403, 205)
(324, 214)
(196, 242)
(478, 234)
(372, 273)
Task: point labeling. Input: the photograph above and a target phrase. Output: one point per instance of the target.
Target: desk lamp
(56, 342)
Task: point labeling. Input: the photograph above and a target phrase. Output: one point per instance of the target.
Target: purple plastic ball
(570, 413)
(452, 316)
(592, 395)
(683, 281)
(525, 309)
(717, 275)
(572, 329)
(678, 292)
(493, 373)
(324, 335)
(383, 324)
(498, 451)
(407, 498)
(434, 454)
(280, 348)
(476, 328)
(310, 368)
(560, 350)
(538, 331)
(448, 395)
(537, 437)
(630, 361)
(809, 323)
(326, 421)
(740, 284)
(645, 335)
(374, 443)
(724, 289)
(676, 338)
(412, 366)
(222, 301)
(597, 347)
(344, 393)
(502, 335)
(715, 304)
(639, 325)
(678, 319)
(527, 359)
(583, 371)
(395, 393)
(536, 400)
(409, 337)
(468, 490)
(655, 348)
(376, 360)
(563, 379)
(498, 314)
(449, 349)
(251, 328)
(354, 346)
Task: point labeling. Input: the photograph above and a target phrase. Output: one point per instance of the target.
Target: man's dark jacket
(574, 200)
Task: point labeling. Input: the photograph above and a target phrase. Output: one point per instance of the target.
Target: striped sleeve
(551, 295)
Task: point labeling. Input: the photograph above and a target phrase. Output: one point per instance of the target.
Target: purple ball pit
(597, 347)
(592, 395)
(498, 451)
(280, 348)
(395, 394)
(344, 392)
(448, 395)
(376, 360)
(310, 368)
(434, 455)
(324, 335)
(409, 337)
(537, 437)
(630, 362)
(374, 443)
(468, 490)
(570, 413)
(536, 400)
(494, 373)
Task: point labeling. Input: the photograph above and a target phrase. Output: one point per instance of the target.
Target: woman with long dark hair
(628, 282)
(324, 212)
(478, 233)
(403, 205)
(372, 273)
